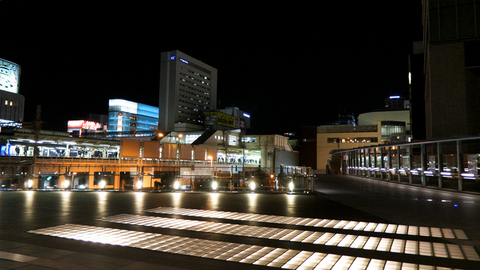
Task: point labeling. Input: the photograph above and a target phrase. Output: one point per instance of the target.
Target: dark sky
(287, 65)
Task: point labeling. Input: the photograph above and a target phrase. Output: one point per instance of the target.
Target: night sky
(288, 66)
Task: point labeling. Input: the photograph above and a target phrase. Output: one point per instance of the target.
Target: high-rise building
(452, 68)
(188, 87)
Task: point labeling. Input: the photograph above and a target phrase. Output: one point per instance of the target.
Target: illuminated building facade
(188, 87)
(374, 128)
(127, 116)
(11, 103)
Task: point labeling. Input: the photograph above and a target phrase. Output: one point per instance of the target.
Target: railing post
(460, 165)
(440, 164)
(410, 164)
(423, 160)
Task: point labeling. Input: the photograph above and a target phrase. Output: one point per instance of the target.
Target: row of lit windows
(7, 102)
(352, 140)
(191, 103)
(202, 81)
(191, 98)
(190, 119)
(194, 90)
(194, 84)
(195, 73)
(188, 92)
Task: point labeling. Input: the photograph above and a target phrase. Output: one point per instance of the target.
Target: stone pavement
(377, 225)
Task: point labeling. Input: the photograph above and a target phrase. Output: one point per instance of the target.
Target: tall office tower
(188, 87)
(452, 68)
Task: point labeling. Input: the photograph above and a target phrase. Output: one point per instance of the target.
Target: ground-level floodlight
(139, 185)
(252, 186)
(29, 184)
(291, 186)
(66, 183)
(176, 185)
(214, 185)
(102, 184)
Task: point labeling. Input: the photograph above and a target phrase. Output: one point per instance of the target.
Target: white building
(188, 87)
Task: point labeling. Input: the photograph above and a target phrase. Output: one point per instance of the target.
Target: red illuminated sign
(82, 124)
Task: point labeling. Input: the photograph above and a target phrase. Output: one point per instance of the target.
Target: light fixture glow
(102, 184)
(176, 185)
(214, 185)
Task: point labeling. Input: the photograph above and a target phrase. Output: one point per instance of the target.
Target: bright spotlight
(291, 186)
(29, 184)
(214, 185)
(66, 184)
(139, 185)
(102, 184)
(252, 186)
(176, 185)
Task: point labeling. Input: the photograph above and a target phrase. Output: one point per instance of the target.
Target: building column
(374, 162)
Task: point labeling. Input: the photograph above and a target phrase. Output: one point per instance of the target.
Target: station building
(195, 158)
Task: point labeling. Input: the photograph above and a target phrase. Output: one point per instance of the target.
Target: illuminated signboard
(224, 120)
(82, 124)
(183, 60)
(9, 76)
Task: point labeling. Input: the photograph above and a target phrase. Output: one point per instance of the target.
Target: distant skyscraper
(188, 87)
(452, 68)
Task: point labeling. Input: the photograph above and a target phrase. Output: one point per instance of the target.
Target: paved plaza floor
(349, 223)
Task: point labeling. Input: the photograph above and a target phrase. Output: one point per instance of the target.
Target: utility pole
(37, 126)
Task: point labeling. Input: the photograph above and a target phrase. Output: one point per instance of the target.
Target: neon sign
(172, 57)
(183, 60)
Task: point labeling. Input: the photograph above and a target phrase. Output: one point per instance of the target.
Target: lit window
(11, 103)
(6, 102)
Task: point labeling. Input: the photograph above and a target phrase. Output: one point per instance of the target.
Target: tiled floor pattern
(413, 247)
(235, 252)
(315, 222)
